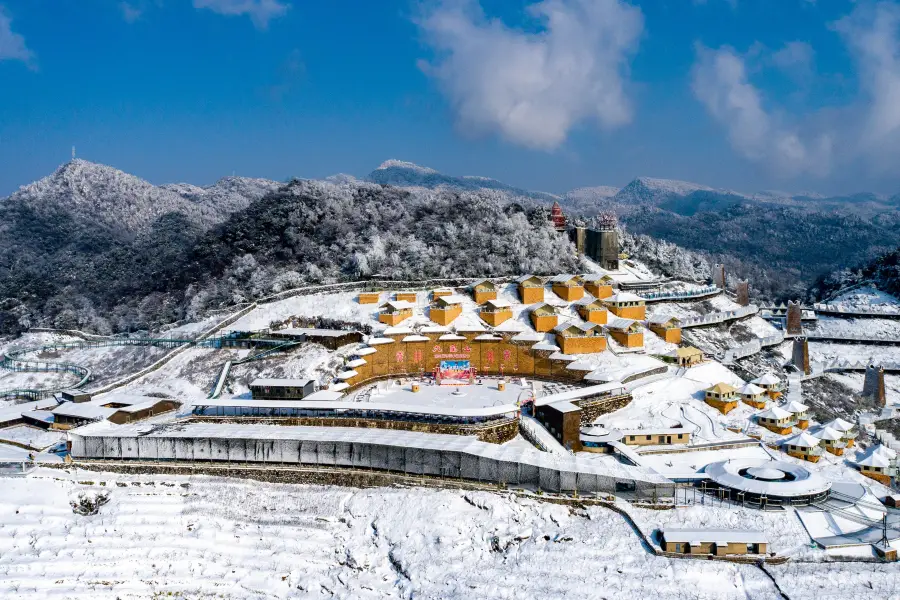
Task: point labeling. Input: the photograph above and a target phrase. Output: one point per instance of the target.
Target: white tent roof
(795, 407)
(827, 433)
(874, 460)
(884, 451)
(840, 425)
(748, 389)
(804, 440)
(775, 413)
(767, 379)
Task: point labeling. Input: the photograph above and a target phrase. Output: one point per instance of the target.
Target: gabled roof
(767, 379)
(548, 307)
(721, 388)
(526, 278)
(775, 413)
(662, 319)
(590, 302)
(623, 297)
(620, 324)
(83, 410)
(749, 389)
(564, 278)
(484, 282)
(498, 303)
(714, 536)
(884, 451)
(398, 304)
(596, 277)
(803, 440)
(451, 300)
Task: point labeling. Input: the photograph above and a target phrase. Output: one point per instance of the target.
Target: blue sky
(745, 94)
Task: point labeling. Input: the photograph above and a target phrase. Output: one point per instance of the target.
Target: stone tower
(873, 385)
(743, 292)
(793, 323)
(801, 355)
(609, 242)
(718, 276)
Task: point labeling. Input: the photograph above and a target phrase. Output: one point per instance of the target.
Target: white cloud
(719, 81)
(532, 87)
(12, 45)
(795, 58)
(259, 11)
(130, 12)
(871, 34)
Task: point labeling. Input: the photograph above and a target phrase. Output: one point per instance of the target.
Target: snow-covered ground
(876, 328)
(467, 396)
(199, 537)
(32, 436)
(867, 299)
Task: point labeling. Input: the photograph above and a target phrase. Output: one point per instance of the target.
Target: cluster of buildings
(605, 312)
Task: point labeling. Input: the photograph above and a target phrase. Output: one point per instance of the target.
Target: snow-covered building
(722, 397)
(544, 317)
(495, 312)
(441, 292)
(598, 285)
(753, 395)
(877, 467)
(592, 310)
(656, 436)
(395, 312)
(484, 290)
(666, 327)
(717, 542)
(580, 338)
(770, 383)
(626, 332)
(777, 420)
(405, 296)
(531, 289)
(627, 306)
(281, 389)
(799, 411)
(369, 297)
(804, 446)
(846, 429)
(687, 356)
(832, 439)
(445, 309)
(567, 287)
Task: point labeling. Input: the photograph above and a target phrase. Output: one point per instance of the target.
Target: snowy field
(867, 299)
(32, 436)
(201, 537)
(466, 396)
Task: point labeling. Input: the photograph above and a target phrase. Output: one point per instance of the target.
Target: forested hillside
(882, 273)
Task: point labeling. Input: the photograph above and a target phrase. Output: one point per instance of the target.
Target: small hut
(592, 310)
(494, 312)
(776, 420)
(627, 306)
(626, 332)
(543, 317)
(597, 285)
(445, 309)
(394, 312)
(804, 446)
(568, 287)
(531, 289)
(753, 395)
(484, 290)
(580, 338)
(722, 397)
(666, 327)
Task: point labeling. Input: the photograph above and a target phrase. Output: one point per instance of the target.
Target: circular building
(766, 483)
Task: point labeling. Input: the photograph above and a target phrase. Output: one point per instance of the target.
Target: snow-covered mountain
(406, 174)
(80, 189)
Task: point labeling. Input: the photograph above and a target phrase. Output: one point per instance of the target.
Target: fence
(684, 295)
(751, 348)
(720, 317)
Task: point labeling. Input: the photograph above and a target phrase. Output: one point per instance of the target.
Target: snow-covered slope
(227, 195)
(406, 174)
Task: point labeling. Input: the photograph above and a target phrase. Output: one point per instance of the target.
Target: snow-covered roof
(623, 297)
(14, 412)
(398, 330)
(795, 407)
(451, 337)
(803, 440)
(416, 338)
(884, 451)
(365, 351)
(543, 305)
(585, 392)
(564, 406)
(83, 410)
(802, 481)
(451, 300)
(561, 356)
(486, 282)
(488, 337)
(348, 374)
(148, 403)
(377, 341)
(749, 389)
(356, 363)
(581, 365)
(714, 536)
(338, 387)
(399, 304)
(564, 278)
(499, 303)
(262, 382)
(721, 388)
(828, 434)
(774, 413)
(840, 425)
(874, 460)
(529, 336)
(321, 395)
(435, 329)
(767, 379)
(525, 278)
(620, 324)
(545, 346)
(342, 405)
(661, 319)
(591, 277)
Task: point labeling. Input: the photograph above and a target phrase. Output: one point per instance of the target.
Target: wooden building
(567, 287)
(445, 309)
(877, 467)
(832, 440)
(531, 289)
(71, 414)
(800, 413)
(846, 429)
(73, 395)
(592, 311)
(804, 446)
(656, 436)
(770, 383)
(754, 396)
(580, 338)
(563, 421)
(405, 297)
(395, 312)
(776, 420)
(494, 312)
(369, 297)
(687, 356)
(716, 542)
(627, 306)
(484, 290)
(543, 317)
(281, 389)
(441, 293)
(722, 397)
(143, 410)
(597, 285)
(666, 327)
(626, 332)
